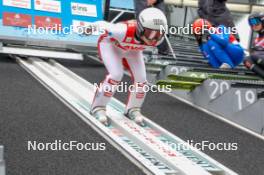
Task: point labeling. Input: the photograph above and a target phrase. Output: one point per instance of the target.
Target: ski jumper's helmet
(152, 24)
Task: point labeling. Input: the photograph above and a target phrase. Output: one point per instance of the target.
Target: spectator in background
(217, 13)
(143, 4)
(255, 61)
(218, 45)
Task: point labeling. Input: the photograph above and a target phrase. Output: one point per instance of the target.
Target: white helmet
(152, 23)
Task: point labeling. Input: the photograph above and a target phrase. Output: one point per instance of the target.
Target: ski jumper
(119, 49)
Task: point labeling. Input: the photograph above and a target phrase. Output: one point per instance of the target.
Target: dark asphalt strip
(191, 124)
(29, 112)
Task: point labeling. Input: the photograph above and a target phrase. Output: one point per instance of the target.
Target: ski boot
(225, 66)
(100, 114)
(135, 114)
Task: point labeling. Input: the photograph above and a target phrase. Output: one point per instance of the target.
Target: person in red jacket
(123, 44)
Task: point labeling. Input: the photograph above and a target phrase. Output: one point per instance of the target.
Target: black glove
(206, 34)
(199, 39)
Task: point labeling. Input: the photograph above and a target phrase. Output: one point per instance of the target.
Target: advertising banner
(18, 3)
(16, 19)
(48, 5)
(78, 24)
(25, 20)
(47, 22)
(83, 9)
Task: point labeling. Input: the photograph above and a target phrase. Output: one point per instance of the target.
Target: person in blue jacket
(218, 45)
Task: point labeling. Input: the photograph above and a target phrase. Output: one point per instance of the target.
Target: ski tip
(178, 85)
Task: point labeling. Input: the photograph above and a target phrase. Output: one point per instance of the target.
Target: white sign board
(18, 3)
(48, 5)
(83, 9)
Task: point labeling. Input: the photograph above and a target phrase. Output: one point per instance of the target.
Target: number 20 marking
(178, 70)
(218, 88)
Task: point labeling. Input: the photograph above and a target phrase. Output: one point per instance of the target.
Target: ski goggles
(153, 34)
(254, 21)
